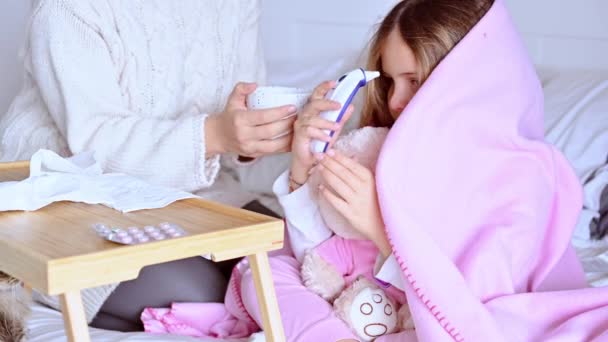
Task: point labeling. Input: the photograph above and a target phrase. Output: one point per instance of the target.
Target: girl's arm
(305, 226)
(355, 198)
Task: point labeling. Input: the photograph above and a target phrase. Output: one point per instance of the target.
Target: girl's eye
(414, 82)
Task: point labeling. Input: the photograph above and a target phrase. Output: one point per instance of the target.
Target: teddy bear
(14, 309)
(340, 270)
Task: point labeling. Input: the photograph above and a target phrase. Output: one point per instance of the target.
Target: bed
(576, 101)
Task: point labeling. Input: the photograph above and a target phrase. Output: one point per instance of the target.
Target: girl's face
(401, 68)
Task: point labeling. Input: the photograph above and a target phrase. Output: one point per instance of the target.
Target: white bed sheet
(576, 106)
(46, 325)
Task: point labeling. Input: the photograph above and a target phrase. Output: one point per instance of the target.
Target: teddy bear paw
(320, 277)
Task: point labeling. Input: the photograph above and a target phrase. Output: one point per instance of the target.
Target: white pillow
(576, 116)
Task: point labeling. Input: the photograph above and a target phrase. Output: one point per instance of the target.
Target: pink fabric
(353, 258)
(215, 320)
(479, 210)
(186, 319)
(306, 316)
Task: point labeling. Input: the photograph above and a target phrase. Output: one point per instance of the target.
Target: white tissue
(81, 179)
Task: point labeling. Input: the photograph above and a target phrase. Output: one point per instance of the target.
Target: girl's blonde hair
(431, 28)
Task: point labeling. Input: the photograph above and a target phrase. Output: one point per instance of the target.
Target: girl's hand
(310, 126)
(351, 189)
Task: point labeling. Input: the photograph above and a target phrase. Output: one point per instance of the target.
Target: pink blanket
(479, 210)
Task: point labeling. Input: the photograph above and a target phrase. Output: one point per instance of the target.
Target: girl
(413, 38)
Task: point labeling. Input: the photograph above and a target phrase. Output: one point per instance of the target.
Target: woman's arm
(256, 175)
(79, 83)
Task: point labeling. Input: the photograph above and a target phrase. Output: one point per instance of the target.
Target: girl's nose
(396, 104)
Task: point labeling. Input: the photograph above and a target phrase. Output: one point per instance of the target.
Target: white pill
(143, 238)
(170, 230)
(165, 225)
(139, 233)
(100, 226)
(126, 239)
(150, 229)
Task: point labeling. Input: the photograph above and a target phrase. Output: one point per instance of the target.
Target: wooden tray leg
(76, 327)
(267, 299)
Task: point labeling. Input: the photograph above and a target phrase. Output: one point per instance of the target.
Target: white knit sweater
(134, 81)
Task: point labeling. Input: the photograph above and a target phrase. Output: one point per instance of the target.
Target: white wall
(316, 33)
(564, 33)
(329, 28)
(13, 14)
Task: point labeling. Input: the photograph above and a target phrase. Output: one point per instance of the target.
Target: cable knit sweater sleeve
(251, 65)
(74, 70)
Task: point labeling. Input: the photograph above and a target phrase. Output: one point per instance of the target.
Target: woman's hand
(249, 133)
(311, 126)
(351, 190)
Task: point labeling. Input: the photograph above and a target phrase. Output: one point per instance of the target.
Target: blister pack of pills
(135, 235)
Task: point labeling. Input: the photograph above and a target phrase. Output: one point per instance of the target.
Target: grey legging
(188, 280)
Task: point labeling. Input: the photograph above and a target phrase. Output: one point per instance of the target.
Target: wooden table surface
(55, 249)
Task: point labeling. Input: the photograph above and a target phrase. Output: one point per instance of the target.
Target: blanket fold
(479, 209)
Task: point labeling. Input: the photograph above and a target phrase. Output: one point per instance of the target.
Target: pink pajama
(306, 316)
(354, 258)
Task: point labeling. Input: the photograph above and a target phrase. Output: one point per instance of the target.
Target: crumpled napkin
(81, 179)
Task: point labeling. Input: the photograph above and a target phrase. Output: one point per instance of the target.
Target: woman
(150, 87)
